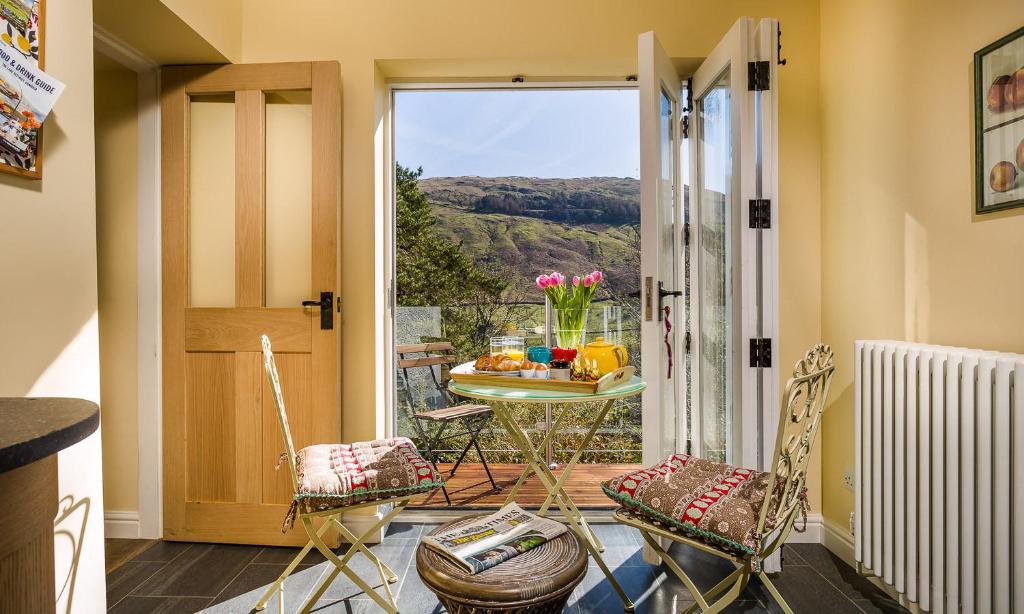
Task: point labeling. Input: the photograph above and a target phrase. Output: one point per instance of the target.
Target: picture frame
(22, 28)
(999, 124)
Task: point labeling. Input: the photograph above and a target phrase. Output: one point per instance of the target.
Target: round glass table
(501, 397)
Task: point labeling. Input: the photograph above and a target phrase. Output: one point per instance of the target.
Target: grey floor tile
(127, 577)
(837, 572)
(880, 603)
(204, 572)
(160, 605)
(791, 556)
(163, 551)
(398, 554)
(806, 592)
(403, 530)
(283, 556)
(595, 594)
(415, 597)
(241, 595)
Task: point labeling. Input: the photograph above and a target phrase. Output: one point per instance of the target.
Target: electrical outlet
(848, 480)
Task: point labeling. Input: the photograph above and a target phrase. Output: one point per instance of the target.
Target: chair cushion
(339, 475)
(714, 502)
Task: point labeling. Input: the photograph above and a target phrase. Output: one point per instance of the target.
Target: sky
(529, 133)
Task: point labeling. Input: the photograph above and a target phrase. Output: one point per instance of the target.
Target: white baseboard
(123, 525)
(813, 534)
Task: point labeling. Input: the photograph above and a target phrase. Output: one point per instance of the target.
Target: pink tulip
(597, 276)
(542, 281)
(557, 278)
(576, 280)
(588, 281)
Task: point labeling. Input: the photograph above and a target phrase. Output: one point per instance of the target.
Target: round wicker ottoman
(539, 581)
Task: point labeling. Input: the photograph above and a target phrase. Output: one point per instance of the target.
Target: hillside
(524, 226)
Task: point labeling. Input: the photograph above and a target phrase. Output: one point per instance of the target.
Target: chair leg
(262, 603)
(741, 575)
(386, 601)
(494, 485)
(775, 593)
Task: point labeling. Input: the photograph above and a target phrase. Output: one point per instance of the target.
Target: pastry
(484, 363)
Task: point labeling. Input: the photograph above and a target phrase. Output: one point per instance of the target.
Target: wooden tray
(466, 374)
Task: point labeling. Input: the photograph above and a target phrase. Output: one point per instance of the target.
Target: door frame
(147, 523)
(387, 414)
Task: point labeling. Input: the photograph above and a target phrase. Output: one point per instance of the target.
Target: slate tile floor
(226, 579)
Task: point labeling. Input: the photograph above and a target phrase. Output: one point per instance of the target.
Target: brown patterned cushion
(337, 475)
(714, 502)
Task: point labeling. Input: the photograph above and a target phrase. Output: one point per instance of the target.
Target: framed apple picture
(999, 124)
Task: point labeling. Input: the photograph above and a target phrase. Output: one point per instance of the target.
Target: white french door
(709, 250)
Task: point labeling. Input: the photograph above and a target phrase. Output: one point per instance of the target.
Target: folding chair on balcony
(737, 514)
(331, 479)
(431, 425)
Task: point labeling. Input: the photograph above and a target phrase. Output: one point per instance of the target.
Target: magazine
(494, 539)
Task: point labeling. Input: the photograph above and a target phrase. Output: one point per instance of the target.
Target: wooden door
(250, 222)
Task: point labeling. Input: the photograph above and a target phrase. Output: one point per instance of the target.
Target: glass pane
(211, 216)
(716, 348)
(667, 212)
(289, 197)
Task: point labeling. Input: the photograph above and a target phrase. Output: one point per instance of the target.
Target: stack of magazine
(494, 539)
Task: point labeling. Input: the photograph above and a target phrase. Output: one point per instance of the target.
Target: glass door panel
(714, 164)
(211, 193)
(667, 262)
(289, 197)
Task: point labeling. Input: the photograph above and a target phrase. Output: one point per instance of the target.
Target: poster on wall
(21, 50)
(999, 124)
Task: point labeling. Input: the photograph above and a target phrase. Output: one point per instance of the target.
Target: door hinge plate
(761, 352)
(759, 76)
(760, 213)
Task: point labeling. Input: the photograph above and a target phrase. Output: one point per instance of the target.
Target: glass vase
(570, 327)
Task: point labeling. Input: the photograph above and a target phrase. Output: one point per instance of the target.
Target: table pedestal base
(28, 505)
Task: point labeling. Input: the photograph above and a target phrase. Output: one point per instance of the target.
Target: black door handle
(662, 293)
(326, 305)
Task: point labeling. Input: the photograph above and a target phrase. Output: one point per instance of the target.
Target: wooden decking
(469, 489)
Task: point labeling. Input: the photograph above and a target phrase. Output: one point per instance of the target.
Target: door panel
(709, 247)
(295, 371)
(716, 247)
(222, 250)
(660, 88)
(210, 430)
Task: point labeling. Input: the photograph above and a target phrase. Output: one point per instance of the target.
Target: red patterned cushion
(714, 502)
(337, 475)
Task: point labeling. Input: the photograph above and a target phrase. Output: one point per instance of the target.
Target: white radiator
(940, 474)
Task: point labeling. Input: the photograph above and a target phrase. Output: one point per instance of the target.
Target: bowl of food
(527, 369)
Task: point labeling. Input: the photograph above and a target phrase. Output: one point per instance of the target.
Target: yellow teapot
(607, 356)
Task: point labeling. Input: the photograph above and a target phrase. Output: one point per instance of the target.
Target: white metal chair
(777, 498)
(331, 479)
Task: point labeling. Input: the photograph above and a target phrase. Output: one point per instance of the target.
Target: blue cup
(539, 353)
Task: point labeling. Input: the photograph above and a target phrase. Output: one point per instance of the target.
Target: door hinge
(688, 342)
(760, 213)
(759, 76)
(761, 352)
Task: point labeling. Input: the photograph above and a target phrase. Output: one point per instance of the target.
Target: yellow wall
(48, 283)
(219, 22)
(410, 38)
(116, 96)
(904, 258)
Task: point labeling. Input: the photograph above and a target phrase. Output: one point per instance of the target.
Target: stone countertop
(34, 428)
